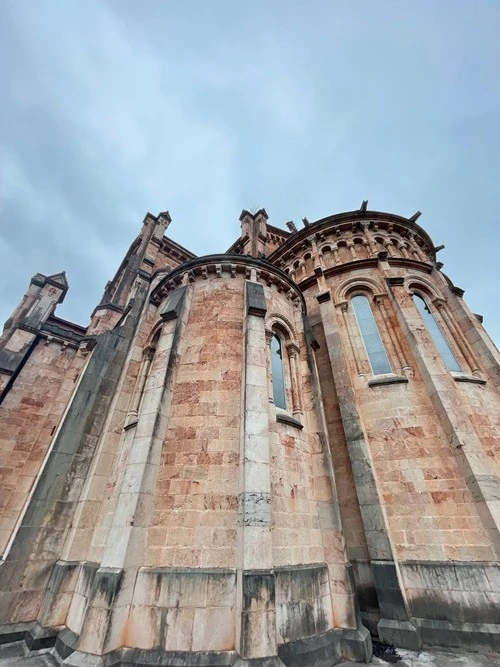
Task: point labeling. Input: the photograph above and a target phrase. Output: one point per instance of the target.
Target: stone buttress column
(471, 328)
(395, 626)
(440, 385)
(114, 581)
(365, 226)
(356, 640)
(21, 331)
(256, 635)
(293, 353)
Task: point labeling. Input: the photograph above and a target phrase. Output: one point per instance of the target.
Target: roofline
(272, 228)
(66, 324)
(349, 216)
(179, 247)
(226, 259)
(279, 230)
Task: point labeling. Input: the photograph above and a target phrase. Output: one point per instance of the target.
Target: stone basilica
(263, 457)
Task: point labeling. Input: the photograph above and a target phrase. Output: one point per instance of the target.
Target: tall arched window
(278, 373)
(371, 336)
(437, 335)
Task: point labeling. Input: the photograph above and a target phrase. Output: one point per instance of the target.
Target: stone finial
(165, 215)
(291, 226)
(305, 222)
(438, 248)
(415, 216)
(364, 205)
(262, 212)
(244, 213)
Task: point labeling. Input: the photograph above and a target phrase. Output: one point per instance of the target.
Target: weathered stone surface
(156, 506)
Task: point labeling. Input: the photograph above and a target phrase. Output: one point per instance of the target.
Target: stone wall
(30, 415)
(181, 512)
(415, 445)
(196, 493)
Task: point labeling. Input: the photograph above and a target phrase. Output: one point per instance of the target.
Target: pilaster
(257, 632)
(395, 625)
(21, 330)
(126, 539)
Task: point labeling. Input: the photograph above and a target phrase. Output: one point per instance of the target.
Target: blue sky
(111, 109)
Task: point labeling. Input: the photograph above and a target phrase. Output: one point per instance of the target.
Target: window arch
(148, 354)
(283, 368)
(278, 372)
(437, 335)
(343, 252)
(360, 248)
(370, 334)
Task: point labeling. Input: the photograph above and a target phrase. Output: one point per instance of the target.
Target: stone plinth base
(320, 651)
(400, 633)
(470, 636)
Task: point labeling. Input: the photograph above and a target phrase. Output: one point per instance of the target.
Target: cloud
(208, 108)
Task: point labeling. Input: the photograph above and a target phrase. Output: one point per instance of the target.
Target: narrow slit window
(437, 335)
(278, 373)
(371, 336)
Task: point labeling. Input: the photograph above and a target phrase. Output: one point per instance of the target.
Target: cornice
(369, 263)
(347, 218)
(426, 267)
(214, 266)
(179, 251)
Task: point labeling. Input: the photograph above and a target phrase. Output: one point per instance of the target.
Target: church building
(266, 457)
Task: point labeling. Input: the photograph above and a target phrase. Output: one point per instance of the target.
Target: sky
(110, 109)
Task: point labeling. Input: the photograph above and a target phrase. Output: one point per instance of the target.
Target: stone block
(174, 304)
(390, 597)
(256, 301)
(356, 644)
(403, 634)
(221, 589)
(258, 591)
(258, 634)
(254, 509)
(183, 588)
(214, 629)
(320, 651)
(178, 627)
(467, 636)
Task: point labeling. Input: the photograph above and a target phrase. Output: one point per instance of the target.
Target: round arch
(415, 283)
(362, 283)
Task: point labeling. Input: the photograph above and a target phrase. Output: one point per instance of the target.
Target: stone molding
(350, 222)
(303, 639)
(217, 265)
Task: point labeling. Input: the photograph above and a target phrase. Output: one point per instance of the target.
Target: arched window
(371, 336)
(437, 335)
(278, 373)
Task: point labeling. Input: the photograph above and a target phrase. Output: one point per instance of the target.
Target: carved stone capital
(378, 298)
(439, 302)
(269, 336)
(324, 296)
